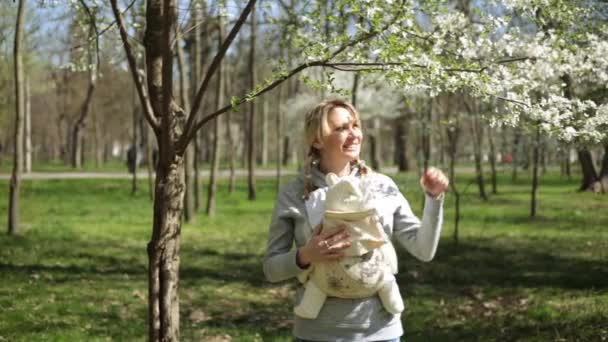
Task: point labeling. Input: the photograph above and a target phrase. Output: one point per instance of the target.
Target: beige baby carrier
(369, 263)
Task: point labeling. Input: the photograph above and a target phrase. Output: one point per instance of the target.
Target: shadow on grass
(485, 262)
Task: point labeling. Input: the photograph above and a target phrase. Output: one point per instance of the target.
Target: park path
(126, 175)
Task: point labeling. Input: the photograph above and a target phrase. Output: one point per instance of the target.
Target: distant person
(334, 137)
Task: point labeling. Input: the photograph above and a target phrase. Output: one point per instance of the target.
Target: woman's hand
(434, 182)
(323, 247)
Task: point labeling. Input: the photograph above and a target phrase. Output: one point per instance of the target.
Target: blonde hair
(315, 129)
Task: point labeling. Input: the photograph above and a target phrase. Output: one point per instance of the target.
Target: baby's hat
(347, 194)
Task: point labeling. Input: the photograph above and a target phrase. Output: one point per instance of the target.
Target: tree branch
(99, 34)
(137, 79)
(198, 99)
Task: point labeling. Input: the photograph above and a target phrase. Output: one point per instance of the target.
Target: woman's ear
(317, 144)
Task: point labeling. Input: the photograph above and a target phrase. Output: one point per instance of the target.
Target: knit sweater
(348, 319)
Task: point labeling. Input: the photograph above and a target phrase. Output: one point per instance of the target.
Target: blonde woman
(334, 136)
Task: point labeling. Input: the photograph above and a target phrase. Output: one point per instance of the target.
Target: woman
(334, 137)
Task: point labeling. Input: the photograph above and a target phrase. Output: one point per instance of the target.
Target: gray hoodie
(348, 319)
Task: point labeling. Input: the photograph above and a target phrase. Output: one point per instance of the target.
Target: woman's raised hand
(434, 181)
(323, 247)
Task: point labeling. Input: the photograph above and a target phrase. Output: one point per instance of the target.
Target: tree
(217, 127)
(436, 58)
(93, 69)
(13, 204)
(251, 141)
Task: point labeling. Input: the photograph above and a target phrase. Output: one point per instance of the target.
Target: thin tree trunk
(85, 109)
(219, 96)
(135, 146)
(402, 125)
(264, 131)
(27, 139)
(354, 90)
(230, 136)
(515, 154)
(535, 161)
(453, 134)
(196, 74)
(568, 170)
(279, 129)
(426, 135)
(492, 161)
(477, 132)
(150, 164)
(13, 204)
(251, 129)
(188, 156)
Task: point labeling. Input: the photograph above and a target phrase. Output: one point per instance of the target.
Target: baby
(370, 262)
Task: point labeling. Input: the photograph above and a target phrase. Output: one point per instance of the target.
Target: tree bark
(15, 184)
(251, 122)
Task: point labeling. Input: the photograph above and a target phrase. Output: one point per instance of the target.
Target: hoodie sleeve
(280, 259)
(419, 238)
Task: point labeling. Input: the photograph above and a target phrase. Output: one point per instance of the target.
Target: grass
(77, 272)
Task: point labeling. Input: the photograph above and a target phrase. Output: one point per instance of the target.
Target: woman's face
(343, 141)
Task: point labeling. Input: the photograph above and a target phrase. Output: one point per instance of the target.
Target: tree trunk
(279, 129)
(477, 132)
(135, 147)
(15, 184)
(197, 67)
(401, 133)
(426, 135)
(492, 161)
(189, 155)
(163, 250)
(251, 129)
(588, 169)
(354, 90)
(376, 145)
(453, 134)
(535, 161)
(604, 170)
(217, 128)
(264, 131)
(27, 139)
(515, 153)
(230, 137)
(85, 109)
(286, 151)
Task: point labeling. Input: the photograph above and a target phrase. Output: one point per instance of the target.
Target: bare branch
(198, 99)
(139, 86)
(100, 33)
(271, 86)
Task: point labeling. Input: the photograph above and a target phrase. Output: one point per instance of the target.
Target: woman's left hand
(434, 182)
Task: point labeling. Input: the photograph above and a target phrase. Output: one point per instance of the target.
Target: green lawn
(78, 270)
